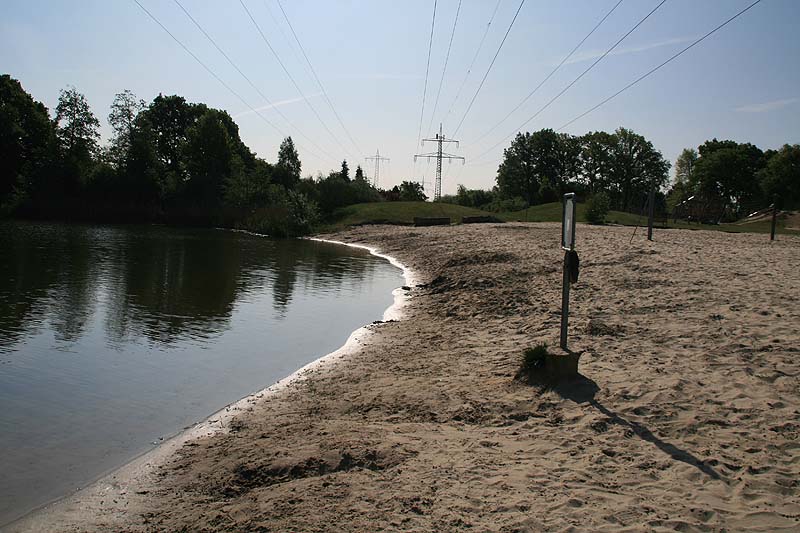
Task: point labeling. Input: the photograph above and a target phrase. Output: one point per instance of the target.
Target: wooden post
(651, 201)
(774, 220)
(565, 303)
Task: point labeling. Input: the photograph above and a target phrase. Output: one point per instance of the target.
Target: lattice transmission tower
(439, 155)
(377, 158)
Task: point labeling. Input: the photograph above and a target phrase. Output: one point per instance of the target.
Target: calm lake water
(113, 337)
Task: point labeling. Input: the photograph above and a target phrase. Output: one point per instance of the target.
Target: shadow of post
(583, 390)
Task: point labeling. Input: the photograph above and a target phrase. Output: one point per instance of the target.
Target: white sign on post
(568, 222)
(568, 245)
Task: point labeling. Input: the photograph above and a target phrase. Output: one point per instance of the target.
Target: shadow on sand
(582, 390)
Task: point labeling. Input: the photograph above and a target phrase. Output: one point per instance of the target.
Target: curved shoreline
(115, 484)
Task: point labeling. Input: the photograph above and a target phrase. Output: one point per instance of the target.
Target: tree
(596, 160)
(169, 119)
(684, 165)
(725, 174)
(26, 143)
(345, 171)
(412, 191)
(780, 178)
(122, 119)
(209, 158)
(517, 174)
(77, 125)
(288, 168)
(77, 131)
(360, 173)
(539, 164)
(636, 166)
(473, 197)
(597, 208)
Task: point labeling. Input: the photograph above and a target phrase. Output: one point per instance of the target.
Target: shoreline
(115, 483)
(686, 418)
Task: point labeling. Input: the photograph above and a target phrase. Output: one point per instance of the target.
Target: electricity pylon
(377, 158)
(439, 155)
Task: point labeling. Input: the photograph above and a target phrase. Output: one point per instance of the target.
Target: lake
(114, 337)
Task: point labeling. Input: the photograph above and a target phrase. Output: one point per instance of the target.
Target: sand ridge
(688, 416)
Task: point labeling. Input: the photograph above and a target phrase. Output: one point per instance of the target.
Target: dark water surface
(112, 337)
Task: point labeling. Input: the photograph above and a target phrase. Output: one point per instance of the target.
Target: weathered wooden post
(568, 245)
(774, 218)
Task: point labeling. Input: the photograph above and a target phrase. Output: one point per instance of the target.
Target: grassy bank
(552, 213)
(403, 213)
(400, 213)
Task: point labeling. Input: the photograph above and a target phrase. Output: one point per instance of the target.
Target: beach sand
(687, 417)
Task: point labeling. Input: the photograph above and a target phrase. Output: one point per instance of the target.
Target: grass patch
(533, 358)
(396, 213)
(552, 212)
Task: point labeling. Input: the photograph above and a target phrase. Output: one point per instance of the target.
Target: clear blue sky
(742, 83)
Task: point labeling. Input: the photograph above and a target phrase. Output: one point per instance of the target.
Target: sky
(370, 57)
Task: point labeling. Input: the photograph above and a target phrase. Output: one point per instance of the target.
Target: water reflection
(111, 337)
(161, 284)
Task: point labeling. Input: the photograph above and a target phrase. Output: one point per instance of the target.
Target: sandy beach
(687, 417)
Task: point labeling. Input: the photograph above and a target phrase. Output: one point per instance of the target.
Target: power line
(444, 69)
(469, 107)
(427, 69)
(291, 78)
(573, 82)
(474, 58)
(220, 80)
(651, 71)
(314, 72)
(566, 58)
(253, 85)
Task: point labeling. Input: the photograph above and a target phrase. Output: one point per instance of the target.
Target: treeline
(540, 167)
(726, 180)
(168, 161)
(720, 181)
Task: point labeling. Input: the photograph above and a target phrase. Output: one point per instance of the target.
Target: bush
(499, 205)
(597, 208)
(533, 358)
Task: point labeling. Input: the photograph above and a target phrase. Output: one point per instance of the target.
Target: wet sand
(687, 418)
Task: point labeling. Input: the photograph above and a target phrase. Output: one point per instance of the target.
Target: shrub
(597, 208)
(501, 205)
(533, 358)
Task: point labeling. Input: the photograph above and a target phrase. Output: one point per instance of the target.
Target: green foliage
(122, 119)
(597, 157)
(725, 176)
(636, 166)
(288, 168)
(541, 166)
(597, 208)
(412, 191)
(684, 165)
(473, 197)
(780, 178)
(533, 358)
(27, 142)
(503, 205)
(359, 173)
(77, 127)
(170, 161)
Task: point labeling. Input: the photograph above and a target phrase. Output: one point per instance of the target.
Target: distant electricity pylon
(439, 155)
(377, 158)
